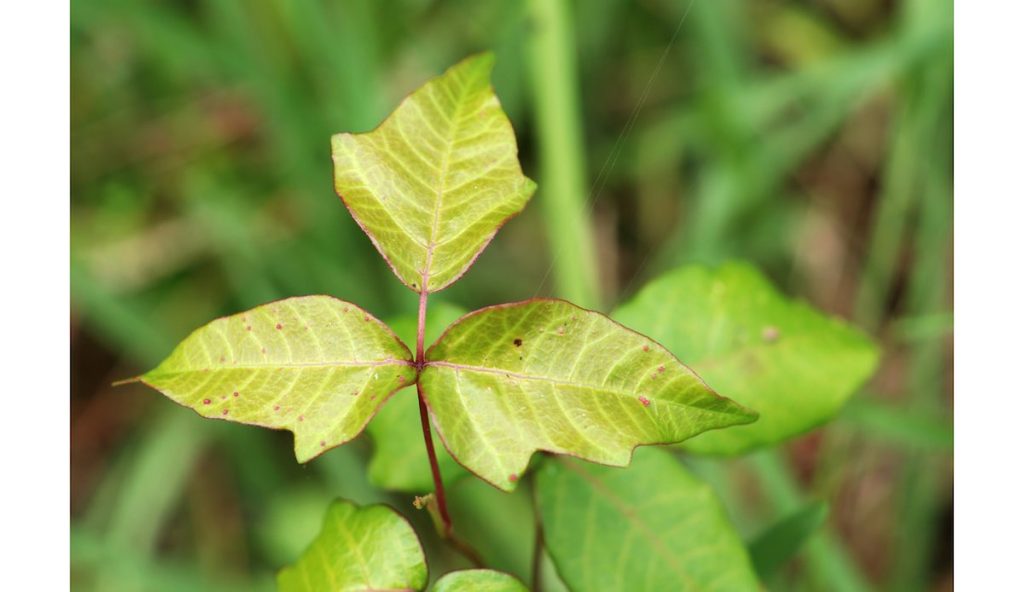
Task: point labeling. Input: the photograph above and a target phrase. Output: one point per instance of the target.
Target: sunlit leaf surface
(315, 365)
(509, 380)
(478, 580)
(359, 549)
(399, 460)
(651, 527)
(795, 365)
(436, 180)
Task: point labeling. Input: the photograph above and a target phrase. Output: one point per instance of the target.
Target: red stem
(428, 441)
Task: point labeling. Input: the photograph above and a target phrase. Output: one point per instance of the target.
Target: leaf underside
(652, 527)
(314, 365)
(434, 182)
(478, 580)
(796, 366)
(509, 380)
(359, 549)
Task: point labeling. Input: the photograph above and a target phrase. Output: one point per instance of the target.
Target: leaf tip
(125, 381)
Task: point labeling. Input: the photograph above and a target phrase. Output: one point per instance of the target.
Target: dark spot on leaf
(645, 401)
(277, 407)
(647, 348)
(278, 326)
(263, 350)
(302, 418)
(661, 369)
(518, 342)
(248, 327)
(206, 401)
(322, 443)
(513, 477)
(225, 412)
(235, 393)
(366, 318)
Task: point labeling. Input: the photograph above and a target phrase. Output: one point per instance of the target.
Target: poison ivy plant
(654, 527)
(430, 187)
(359, 548)
(796, 366)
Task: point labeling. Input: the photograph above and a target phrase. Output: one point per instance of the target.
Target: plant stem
(556, 107)
(428, 440)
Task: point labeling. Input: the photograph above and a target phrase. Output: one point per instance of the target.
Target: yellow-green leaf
(315, 365)
(478, 580)
(796, 366)
(359, 549)
(651, 527)
(509, 380)
(432, 185)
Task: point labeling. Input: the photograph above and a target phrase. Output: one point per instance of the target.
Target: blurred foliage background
(811, 137)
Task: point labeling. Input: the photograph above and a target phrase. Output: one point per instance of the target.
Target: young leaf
(359, 548)
(793, 364)
(508, 380)
(399, 460)
(432, 185)
(651, 527)
(780, 542)
(478, 580)
(314, 365)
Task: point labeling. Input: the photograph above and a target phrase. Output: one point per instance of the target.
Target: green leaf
(651, 527)
(781, 541)
(359, 549)
(796, 366)
(432, 185)
(478, 580)
(315, 365)
(509, 380)
(399, 460)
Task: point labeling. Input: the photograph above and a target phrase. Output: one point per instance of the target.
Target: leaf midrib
(283, 365)
(629, 394)
(454, 126)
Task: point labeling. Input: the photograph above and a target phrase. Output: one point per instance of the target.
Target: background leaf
(359, 548)
(793, 364)
(781, 541)
(650, 527)
(399, 460)
(541, 374)
(432, 185)
(315, 365)
(478, 580)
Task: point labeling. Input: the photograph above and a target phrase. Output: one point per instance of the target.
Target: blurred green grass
(813, 138)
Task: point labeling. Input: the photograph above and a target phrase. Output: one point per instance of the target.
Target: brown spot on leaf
(206, 401)
(225, 412)
(644, 401)
(518, 342)
(278, 326)
(513, 478)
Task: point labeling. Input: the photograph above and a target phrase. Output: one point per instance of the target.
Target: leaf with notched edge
(314, 365)
(359, 549)
(793, 364)
(434, 182)
(506, 381)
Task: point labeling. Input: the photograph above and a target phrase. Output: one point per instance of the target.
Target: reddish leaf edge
(487, 241)
(510, 487)
(408, 362)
